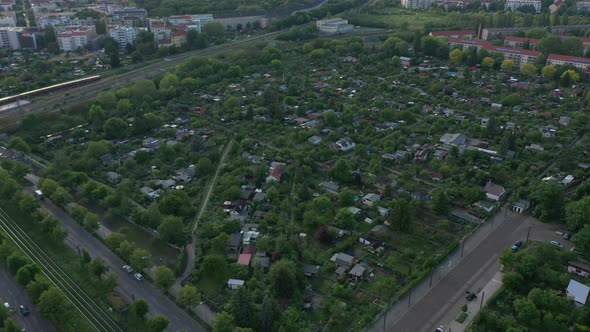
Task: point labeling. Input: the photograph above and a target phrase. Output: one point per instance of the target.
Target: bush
(464, 308)
(462, 317)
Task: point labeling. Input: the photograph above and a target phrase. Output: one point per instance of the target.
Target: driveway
(128, 287)
(13, 293)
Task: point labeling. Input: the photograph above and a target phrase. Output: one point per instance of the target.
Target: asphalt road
(442, 303)
(15, 295)
(128, 287)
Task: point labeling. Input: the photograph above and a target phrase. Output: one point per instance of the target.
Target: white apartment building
(61, 19)
(416, 4)
(123, 36)
(73, 38)
(16, 38)
(513, 5)
(334, 25)
(560, 60)
(583, 5)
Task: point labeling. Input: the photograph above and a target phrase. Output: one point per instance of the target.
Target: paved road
(128, 286)
(440, 303)
(15, 295)
(431, 297)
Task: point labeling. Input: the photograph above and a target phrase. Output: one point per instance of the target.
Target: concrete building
(16, 38)
(520, 42)
(416, 4)
(513, 5)
(61, 19)
(196, 22)
(332, 26)
(129, 12)
(560, 60)
(467, 34)
(73, 38)
(583, 5)
(178, 38)
(518, 56)
(7, 6)
(239, 21)
(123, 35)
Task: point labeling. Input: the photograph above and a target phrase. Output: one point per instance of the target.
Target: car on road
(566, 236)
(470, 296)
(128, 268)
(24, 310)
(557, 244)
(516, 246)
(138, 276)
(440, 329)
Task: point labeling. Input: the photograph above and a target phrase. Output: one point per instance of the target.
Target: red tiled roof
(244, 259)
(522, 39)
(178, 33)
(511, 50)
(568, 58)
(453, 33)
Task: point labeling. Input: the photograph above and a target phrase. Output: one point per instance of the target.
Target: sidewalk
(405, 303)
(473, 307)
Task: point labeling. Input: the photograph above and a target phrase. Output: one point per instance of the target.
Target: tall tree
(403, 214)
(164, 277)
(224, 322)
(283, 277)
(242, 308)
(189, 296)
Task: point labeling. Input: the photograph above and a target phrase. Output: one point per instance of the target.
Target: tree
(528, 69)
(176, 203)
(204, 167)
(441, 203)
(37, 287)
(268, 313)
(577, 214)
(144, 43)
(569, 75)
(345, 219)
(346, 198)
(158, 323)
(172, 230)
(164, 277)
(19, 144)
(403, 214)
(341, 171)
(139, 308)
(549, 71)
(91, 222)
(527, 312)
(189, 296)
(97, 267)
(115, 128)
(224, 322)
(15, 261)
(488, 62)
(582, 240)
(241, 307)
(550, 201)
(140, 259)
(507, 65)
(54, 306)
(8, 185)
(110, 282)
(283, 278)
(214, 29)
(456, 56)
(214, 266)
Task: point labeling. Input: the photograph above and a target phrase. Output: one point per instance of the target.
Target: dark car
(24, 310)
(566, 236)
(470, 296)
(516, 246)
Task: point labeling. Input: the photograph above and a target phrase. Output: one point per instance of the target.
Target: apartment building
(519, 42)
(123, 35)
(560, 60)
(518, 56)
(513, 5)
(7, 19)
(7, 6)
(416, 4)
(73, 38)
(61, 19)
(467, 34)
(583, 5)
(16, 38)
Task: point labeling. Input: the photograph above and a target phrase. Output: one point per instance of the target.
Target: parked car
(24, 310)
(516, 246)
(557, 244)
(138, 276)
(566, 236)
(440, 329)
(470, 296)
(128, 268)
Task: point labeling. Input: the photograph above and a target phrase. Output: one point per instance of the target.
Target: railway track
(98, 317)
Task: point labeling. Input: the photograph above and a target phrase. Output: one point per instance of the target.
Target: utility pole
(431, 274)
(462, 247)
(409, 298)
(528, 234)
(483, 294)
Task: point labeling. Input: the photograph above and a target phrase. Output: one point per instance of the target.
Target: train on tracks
(48, 89)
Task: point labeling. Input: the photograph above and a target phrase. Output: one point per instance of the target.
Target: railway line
(98, 317)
